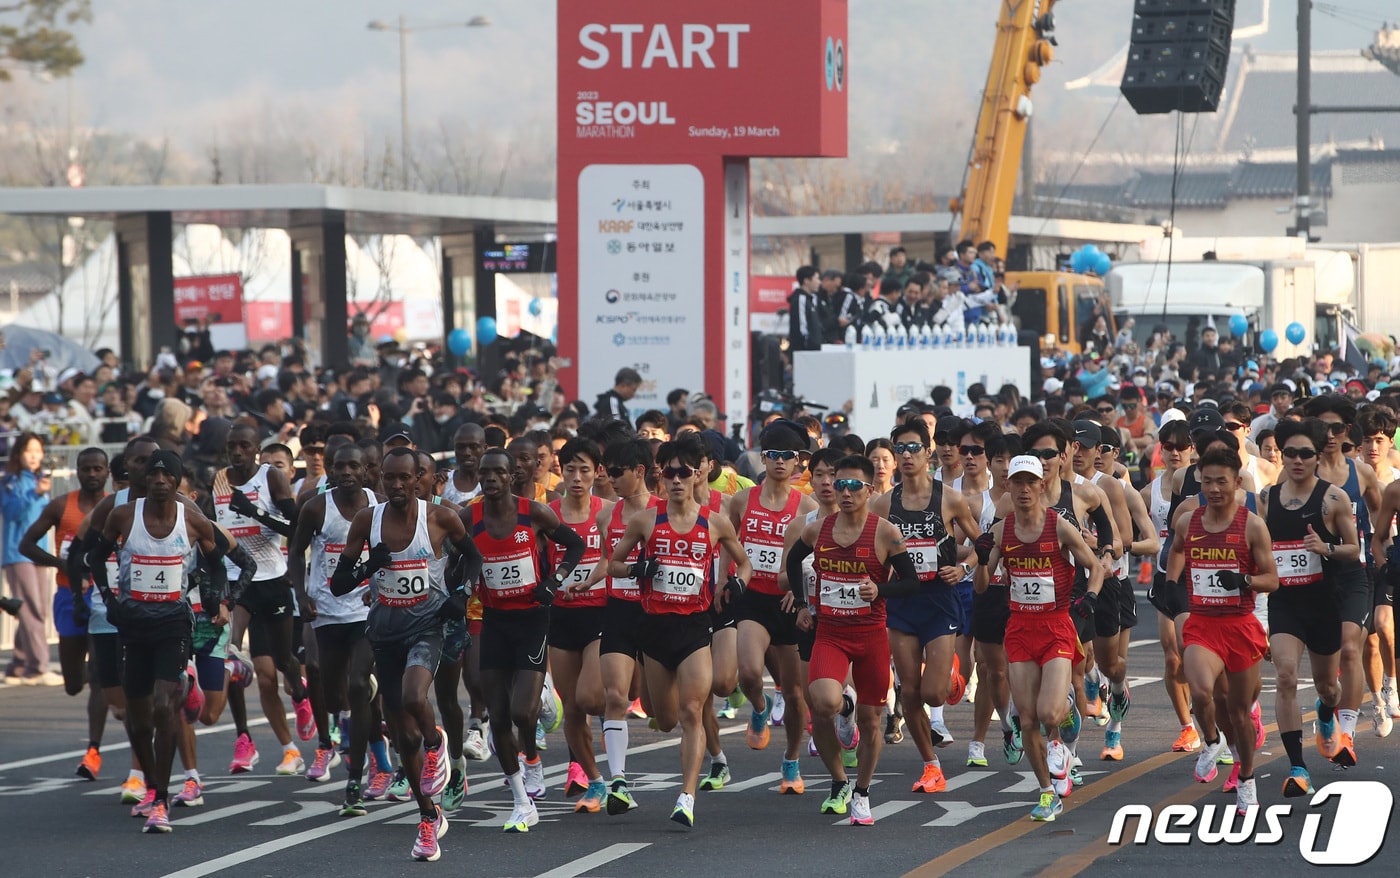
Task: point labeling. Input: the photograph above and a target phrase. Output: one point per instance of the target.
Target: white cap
(267, 372)
(68, 374)
(1052, 386)
(1172, 414)
(1026, 464)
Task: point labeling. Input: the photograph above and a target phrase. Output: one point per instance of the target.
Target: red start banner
(216, 295)
(660, 107)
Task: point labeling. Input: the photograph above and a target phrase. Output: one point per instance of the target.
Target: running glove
(644, 567)
(1086, 605)
(984, 545)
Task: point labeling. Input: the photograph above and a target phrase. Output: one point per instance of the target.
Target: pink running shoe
(321, 765)
(435, 767)
(577, 784)
(191, 795)
(148, 802)
(194, 698)
(159, 820)
(240, 667)
(245, 755)
(378, 785)
(425, 848)
(306, 719)
(1255, 717)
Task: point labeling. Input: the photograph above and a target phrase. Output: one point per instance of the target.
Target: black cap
(1206, 419)
(1087, 433)
(394, 431)
(947, 425)
(1280, 388)
(166, 461)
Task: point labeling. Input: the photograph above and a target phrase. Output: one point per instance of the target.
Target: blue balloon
(459, 342)
(1268, 340)
(1295, 333)
(1103, 265)
(1239, 325)
(536, 306)
(1079, 262)
(486, 330)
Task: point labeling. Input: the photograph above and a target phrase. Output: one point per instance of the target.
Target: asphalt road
(261, 825)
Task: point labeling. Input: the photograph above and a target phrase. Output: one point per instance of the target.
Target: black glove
(1086, 605)
(115, 616)
(984, 545)
(455, 607)
(734, 588)
(238, 502)
(644, 567)
(545, 589)
(81, 613)
(1230, 580)
(379, 558)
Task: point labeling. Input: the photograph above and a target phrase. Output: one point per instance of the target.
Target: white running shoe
(551, 708)
(860, 811)
(1380, 718)
(846, 722)
(1246, 796)
(941, 736)
(1057, 755)
(522, 818)
(779, 709)
(534, 779)
(1205, 762)
(474, 745)
(1392, 704)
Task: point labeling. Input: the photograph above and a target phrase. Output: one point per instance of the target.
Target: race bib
(678, 580)
(238, 525)
(1205, 584)
(841, 597)
(1032, 593)
(809, 575)
(1296, 565)
(765, 558)
(403, 583)
(925, 558)
(156, 578)
(510, 576)
(579, 576)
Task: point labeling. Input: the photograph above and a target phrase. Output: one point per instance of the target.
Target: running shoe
(1112, 747)
(541, 742)
(456, 790)
(724, 710)
(133, 790)
(684, 812)
(1328, 742)
(976, 754)
(775, 716)
(847, 732)
(436, 767)
(850, 758)
(1049, 808)
(719, 776)
(306, 717)
(1011, 743)
(1233, 781)
(894, 728)
(1225, 757)
(91, 765)
(1075, 777)
(737, 698)
(1057, 755)
(791, 784)
(592, 800)
(811, 743)
(1346, 752)
(551, 708)
(1246, 796)
(1063, 786)
(245, 755)
(340, 734)
(159, 819)
(577, 781)
(522, 818)
(635, 709)
(1380, 719)
(240, 667)
(1187, 742)
(378, 786)
(932, 780)
(399, 790)
(1256, 718)
(191, 795)
(193, 705)
(758, 732)
(620, 799)
(837, 804)
(321, 764)
(291, 763)
(1073, 722)
(1118, 704)
(474, 745)
(534, 778)
(860, 811)
(1206, 769)
(1093, 705)
(941, 736)
(1298, 783)
(430, 829)
(354, 801)
(1392, 705)
(143, 809)
(957, 683)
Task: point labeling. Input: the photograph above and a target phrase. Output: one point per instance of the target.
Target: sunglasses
(972, 450)
(1105, 448)
(773, 454)
(851, 485)
(1234, 425)
(1130, 405)
(313, 449)
(1336, 429)
(678, 472)
(1106, 410)
(615, 472)
(1173, 447)
(908, 447)
(1044, 453)
(1299, 453)
(1347, 447)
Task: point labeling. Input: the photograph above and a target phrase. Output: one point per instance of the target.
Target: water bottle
(852, 336)
(867, 338)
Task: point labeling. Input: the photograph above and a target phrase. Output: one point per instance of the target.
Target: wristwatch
(966, 568)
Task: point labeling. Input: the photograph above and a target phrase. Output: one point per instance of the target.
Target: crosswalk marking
(956, 813)
(305, 811)
(223, 811)
(881, 811)
(762, 780)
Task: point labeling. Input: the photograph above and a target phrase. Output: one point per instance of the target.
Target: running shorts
(622, 627)
(991, 610)
(936, 611)
(1310, 613)
(514, 640)
(1042, 638)
(671, 638)
(391, 658)
(1236, 640)
(862, 649)
(767, 610)
(572, 629)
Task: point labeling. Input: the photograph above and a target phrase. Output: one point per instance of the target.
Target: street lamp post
(403, 29)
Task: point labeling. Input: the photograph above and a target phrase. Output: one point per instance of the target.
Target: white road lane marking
(582, 865)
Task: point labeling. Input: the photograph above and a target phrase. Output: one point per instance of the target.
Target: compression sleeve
(75, 565)
(564, 536)
(906, 582)
(99, 548)
(468, 566)
(797, 580)
(1103, 525)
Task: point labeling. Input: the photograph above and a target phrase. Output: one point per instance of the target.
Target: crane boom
(1024, 44)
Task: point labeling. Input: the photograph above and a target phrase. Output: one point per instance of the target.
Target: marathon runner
(1378, 426)
(462, 486)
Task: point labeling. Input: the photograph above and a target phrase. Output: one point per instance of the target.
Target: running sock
(935, 714)
(862, 791)
(1047, 789)
(1293, 744)
(95, 745)
(890, 697)
(517, 787)
(1348, 721)
(459, 764)
(615, 740)
(380, 750)
(1118, 688)
(836, 786)
(719, 759)
(137, 774)
(1388, 683)
(933, 763)
(1115, 726)
(192, 774)
(1324, 712)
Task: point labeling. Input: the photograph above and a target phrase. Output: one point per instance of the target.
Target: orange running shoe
(1188, 741)
(635, 710)
(1346, 753)
(957, 684)
(932, 780)
(91, 764)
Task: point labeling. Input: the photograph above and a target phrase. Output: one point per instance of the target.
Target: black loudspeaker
(1178, 56)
